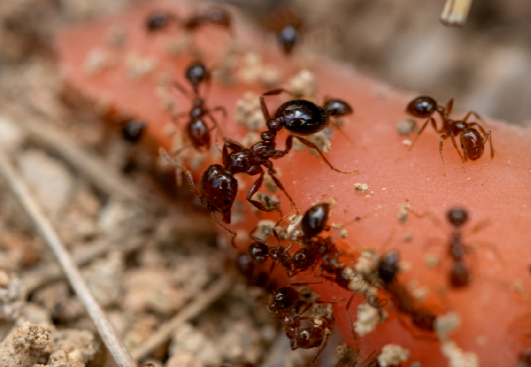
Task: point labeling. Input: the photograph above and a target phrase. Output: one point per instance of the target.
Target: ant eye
(226, 201)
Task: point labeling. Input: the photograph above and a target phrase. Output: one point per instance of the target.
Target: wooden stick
(35, 213)
(188, 312)
(455, 12)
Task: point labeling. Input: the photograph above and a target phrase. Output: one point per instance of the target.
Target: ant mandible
(472, 141)
(197, 131)
(161, 20)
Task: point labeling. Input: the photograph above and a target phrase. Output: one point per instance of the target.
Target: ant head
(314, 220)
(337, 108)
(288, 38)
(422, 107)
(388, 266)
(258, 252)
(302, 117)
(457, 216)
(158, 20)
(283, 299)
(196, 73)
(133, 130)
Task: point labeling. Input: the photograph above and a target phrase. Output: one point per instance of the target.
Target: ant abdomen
(302, 117)
(459, 275)
(198, 133)
(259, 252)
(218, 190)
(337, 108)
(472, 144)
(315, 220)
(422, 107)
(197, 73)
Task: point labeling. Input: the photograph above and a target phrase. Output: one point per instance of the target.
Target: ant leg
(218, 128)
(256, 186)
(230, 144)
(176, 117)
(463, 157)
(432, 120)
(323, 344)
(350, 317)
(274, 92)
(232, 232)
(489, 138)
(475, 114)
(492, 247)
(183, 90)
(180, 168)
(281, 187)
(449, 107)
(440, 152)
(289, 144)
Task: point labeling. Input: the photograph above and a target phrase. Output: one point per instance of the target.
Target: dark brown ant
(196, 129)
(402, 299)
(161, 20)
(218, 187)
(133, 130)
(472, 141)
(459, 275)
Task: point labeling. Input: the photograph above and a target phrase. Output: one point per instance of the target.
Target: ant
(524, 359)
(196, 129)
(218, 187)
(133, 130)
(160, 20)
(404, 302)
(284, 303)
(472, 141)
(312, 223)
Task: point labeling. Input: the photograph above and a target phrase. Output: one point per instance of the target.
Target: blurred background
(485, 66)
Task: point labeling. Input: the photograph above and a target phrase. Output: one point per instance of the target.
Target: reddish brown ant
(524, 359)
(402, 299)
(197, 131)
(472, 141)
(284, 304)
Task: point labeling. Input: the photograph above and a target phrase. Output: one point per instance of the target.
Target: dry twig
(188, 312)
(455, 12)
(44, 227)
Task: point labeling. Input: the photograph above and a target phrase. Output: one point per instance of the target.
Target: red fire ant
(196, 129)
(160, 20)
(472, 141)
